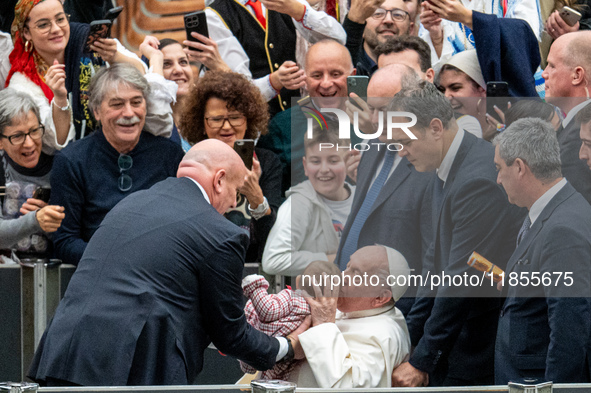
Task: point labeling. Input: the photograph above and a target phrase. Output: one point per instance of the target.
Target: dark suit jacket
(544, 330)
(159, 280)
(454, 327)
(400, 217)
(574, 169)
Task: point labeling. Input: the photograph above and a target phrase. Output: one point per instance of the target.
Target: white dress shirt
(314, 26)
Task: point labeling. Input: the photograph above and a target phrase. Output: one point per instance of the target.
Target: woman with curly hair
(227, 106)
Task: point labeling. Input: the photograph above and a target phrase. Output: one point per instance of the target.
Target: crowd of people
(129, 168)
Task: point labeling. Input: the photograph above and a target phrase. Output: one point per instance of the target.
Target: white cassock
(359, 350)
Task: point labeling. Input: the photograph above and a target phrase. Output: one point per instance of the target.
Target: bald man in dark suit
(158, 282)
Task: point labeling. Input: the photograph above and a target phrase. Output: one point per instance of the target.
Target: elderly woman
(49, 61)
(24, 168)
(228, 107)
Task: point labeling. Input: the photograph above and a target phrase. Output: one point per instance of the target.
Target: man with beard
(372, 24)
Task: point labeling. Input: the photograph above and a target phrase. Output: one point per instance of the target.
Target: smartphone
(497, 93)
(357, 84)
(245, 149)
(196, 22)
(98, 29)
(113, 13)
(42, 193)
(569, 15)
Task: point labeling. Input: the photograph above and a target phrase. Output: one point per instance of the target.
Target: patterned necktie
(258, 12)
(524, 229)
(350, 245)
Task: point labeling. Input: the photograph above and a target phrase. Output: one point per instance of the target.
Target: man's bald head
(328, 64)
(577, 46)
(567, 73)
(330, 48)
(389, 80)
(217, 168)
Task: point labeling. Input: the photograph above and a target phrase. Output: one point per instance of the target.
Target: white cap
(398, 267)
(467, 61)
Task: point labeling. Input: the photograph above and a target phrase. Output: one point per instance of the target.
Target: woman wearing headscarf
(50, 62)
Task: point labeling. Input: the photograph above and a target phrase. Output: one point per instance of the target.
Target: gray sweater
(11, 231)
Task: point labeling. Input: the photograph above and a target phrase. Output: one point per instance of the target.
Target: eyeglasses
(125, 163)
(218, 121)
(397, 14)
(19, 139)
(44, 26)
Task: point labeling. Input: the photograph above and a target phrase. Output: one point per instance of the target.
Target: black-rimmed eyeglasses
(218, 121)
(125, 163)
(19, 139)
(397, 14)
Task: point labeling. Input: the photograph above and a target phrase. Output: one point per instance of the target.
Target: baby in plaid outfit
(279, 314)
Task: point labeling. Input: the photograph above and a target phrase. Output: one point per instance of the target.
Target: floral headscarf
(31, 64)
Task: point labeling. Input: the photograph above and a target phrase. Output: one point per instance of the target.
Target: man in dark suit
(400, 216)
(159, 280)
(567, 78)
(584, 119)
(453, 326)
(545, 323)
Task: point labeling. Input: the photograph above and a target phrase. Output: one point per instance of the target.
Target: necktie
(524, 229)
(258, 11)
(350, 245)
(437, 194)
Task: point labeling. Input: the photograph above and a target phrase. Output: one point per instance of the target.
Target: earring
(478, 106)
(28, 46)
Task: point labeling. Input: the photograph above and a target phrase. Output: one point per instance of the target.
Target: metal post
(272, 386)
(40, 296)
(530, 387)
(15, 387)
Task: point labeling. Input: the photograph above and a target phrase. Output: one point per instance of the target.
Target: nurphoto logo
(345, 128)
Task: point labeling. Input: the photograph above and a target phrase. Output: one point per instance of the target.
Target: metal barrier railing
(29, 294)
(547, 387)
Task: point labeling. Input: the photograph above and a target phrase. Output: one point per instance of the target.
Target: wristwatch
(260, 210)
(62, 108)
(290, 352)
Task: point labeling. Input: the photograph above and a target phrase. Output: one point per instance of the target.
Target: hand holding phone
(98, 29)
(42, 193)
(357, 84)
(196, 22)
(569, 16)
(245, 149)
(497, 94)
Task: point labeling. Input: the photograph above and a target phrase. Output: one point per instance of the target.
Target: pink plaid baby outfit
(275, 315)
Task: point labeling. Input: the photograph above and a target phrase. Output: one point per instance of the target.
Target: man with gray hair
(545, 323)
(93, 174)
(453, 326)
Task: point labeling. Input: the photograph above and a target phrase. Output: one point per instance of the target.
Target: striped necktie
(350, 245)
